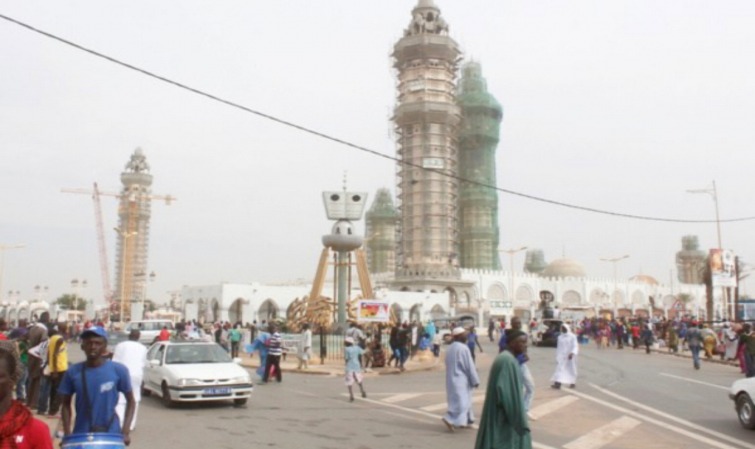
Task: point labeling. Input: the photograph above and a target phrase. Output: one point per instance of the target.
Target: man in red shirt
(164, 334)
(635, 335)
(17, 425)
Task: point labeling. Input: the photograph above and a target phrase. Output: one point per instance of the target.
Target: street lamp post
(124, 246)
(511, 253)
(76, 286)
(614, 261)
(713, 192)
(4, 248)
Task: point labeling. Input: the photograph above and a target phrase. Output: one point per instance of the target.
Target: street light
(511, 253)
(3, 248)
(124, 235)
(713, 192)
(614, 261)
(75, 284)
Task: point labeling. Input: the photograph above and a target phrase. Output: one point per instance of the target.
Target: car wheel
(239, 402)
(746, 411)
(145, 391)
(167, 401)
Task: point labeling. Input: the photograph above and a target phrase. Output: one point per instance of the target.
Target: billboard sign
(722, 268)
(373, 311)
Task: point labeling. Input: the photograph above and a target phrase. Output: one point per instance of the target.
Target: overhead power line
(353, 145)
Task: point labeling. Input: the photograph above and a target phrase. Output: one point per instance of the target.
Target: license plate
(216, 391)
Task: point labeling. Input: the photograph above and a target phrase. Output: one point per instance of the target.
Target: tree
(71, 302)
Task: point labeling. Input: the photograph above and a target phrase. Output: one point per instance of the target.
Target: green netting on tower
(481, 116)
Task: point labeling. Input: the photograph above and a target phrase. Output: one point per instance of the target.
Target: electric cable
(353, 145)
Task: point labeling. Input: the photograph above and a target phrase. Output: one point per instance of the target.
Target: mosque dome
(562, 268)
(644, 278)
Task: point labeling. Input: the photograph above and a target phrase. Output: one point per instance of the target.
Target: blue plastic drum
(93, 441)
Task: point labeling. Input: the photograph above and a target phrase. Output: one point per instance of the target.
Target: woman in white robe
(566, 358)
(731, 340)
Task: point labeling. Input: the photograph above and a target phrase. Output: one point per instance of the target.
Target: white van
(149, 329)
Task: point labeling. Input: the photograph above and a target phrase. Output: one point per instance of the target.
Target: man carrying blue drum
(96, 383)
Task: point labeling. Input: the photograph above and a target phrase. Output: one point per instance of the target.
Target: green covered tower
(381, 233)
(478, 138)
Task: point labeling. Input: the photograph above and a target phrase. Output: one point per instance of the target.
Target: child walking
(351, 355)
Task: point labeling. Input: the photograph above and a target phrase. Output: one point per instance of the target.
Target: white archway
(268, 310)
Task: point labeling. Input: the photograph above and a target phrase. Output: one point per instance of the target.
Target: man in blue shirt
(96, 383)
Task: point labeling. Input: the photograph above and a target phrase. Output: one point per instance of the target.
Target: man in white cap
(461, 378)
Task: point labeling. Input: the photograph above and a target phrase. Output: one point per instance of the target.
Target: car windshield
(203, 353)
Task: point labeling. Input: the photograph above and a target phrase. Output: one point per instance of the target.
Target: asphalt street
(624, 399)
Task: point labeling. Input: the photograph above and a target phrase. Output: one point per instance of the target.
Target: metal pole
(342, 287)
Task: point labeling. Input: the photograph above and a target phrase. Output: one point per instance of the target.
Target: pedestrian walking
(504, 417)
(461, 379)
(37, 335)
(694, 340)
(52, 374)
(274, 353)
(567, 350)
(234, 336)
(528, 382)
(306, 343)
(472, 341)
(647, 337)
(352, 355)
(133, 355)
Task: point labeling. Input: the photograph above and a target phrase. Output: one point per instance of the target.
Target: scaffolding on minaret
(134, 212)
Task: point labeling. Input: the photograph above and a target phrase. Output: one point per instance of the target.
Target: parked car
(742, 391)
(149, 329)
(546, 333)
(195, 371)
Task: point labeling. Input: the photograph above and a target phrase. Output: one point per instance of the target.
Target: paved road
(624, 399)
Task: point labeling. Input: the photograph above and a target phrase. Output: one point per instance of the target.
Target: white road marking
(406, 409)
(643, 417)
(444, 405)
(696, 381)
(535, 444)
(552, 406)
(604, 435)
(401, 397)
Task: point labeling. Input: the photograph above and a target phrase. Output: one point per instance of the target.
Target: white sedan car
(195, 371)
(742, 393)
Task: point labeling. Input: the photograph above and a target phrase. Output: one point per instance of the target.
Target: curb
(687, 355)
(339, 371)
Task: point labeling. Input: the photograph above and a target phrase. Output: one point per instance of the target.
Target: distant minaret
(427, 120)
(381, 233)
(133, 237)
(481, 118)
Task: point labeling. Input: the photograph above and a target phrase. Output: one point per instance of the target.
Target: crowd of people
(36, 377)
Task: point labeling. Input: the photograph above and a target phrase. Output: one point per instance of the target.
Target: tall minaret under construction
(426, 121)
(134, 213)
(478, 200)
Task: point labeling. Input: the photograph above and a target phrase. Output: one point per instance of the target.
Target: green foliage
(71, 302)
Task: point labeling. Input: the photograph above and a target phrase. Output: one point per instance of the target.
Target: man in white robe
(566, 359)
(134, 355)
(461, 378)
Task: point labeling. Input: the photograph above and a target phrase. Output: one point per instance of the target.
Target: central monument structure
(427, 119)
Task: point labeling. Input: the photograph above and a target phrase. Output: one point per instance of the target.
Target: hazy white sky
(618, 105)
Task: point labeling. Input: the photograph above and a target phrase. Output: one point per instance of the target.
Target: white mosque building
(495, 294)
